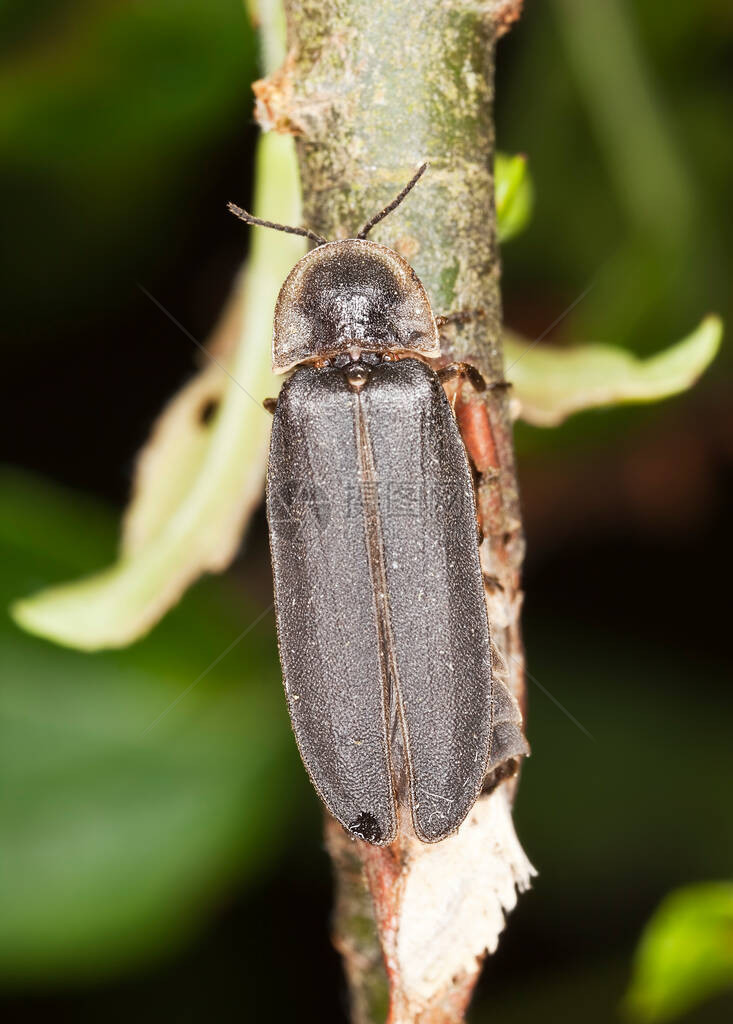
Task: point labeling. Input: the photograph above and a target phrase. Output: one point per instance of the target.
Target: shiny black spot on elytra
(366, 827)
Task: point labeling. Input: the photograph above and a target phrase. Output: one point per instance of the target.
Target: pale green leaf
(514, 195)
(550, 383)
(198, 482)
(685, 954)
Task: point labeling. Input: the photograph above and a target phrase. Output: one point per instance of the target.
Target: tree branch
(371, 91)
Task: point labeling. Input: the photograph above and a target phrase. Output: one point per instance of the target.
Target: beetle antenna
(249, 219)
(395, 202)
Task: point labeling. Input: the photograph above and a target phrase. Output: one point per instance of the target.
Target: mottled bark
(370, 91)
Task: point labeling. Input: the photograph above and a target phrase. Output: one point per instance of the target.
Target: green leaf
(685, 954)
(197, 482)
(131, 799)
(514, 195)
(550, 383)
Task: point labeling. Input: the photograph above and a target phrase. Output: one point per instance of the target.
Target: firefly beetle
(381, 616)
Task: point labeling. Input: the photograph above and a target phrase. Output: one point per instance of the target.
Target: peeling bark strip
(370, 91)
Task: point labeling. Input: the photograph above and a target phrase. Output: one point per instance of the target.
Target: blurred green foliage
(107, 113)
(115, 836)
(685, 954)
(623, 110)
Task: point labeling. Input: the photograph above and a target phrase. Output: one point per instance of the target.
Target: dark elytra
(382, 624)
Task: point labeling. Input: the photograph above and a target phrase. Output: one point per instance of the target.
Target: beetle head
(351, 295)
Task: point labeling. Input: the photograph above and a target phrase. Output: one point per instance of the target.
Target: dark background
(187, 880)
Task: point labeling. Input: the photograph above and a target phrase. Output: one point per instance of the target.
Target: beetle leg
(467, 371)
(269, 404)
(464, 370)
(461, 316)
(492, 582)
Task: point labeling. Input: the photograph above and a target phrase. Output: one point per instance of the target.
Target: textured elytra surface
(351, 293)
(382, 625)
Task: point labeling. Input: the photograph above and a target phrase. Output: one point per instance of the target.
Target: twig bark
(370, 91)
